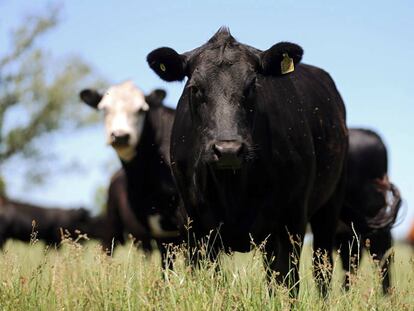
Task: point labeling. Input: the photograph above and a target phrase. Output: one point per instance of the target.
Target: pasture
(81, 277)
(283, 124)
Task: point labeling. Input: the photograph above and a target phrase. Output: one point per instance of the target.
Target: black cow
(366, 205)
(258, 148)
(138, 127)
(19, 220)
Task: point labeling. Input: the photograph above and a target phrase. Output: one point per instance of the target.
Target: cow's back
(367, 155)
(367, 179)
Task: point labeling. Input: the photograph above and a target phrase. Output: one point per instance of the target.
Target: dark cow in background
(258, 149)
(138, 127)
(366, 204)
(18, 220)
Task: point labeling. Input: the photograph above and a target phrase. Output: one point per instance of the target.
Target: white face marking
(124, 107)
(154, 222)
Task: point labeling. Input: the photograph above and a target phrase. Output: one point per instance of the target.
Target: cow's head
(81, 215)
(124, 106)
(222, 90)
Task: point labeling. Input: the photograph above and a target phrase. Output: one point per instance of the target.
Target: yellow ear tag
(162, 67)
(286, 65)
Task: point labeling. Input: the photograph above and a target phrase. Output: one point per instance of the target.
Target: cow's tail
(387, 216)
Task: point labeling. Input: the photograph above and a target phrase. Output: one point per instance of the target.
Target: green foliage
(101, 194)
(38, 95)
(82, 278)
(2, 187)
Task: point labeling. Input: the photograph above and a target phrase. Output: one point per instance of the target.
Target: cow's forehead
(231, 58)
(125, 95)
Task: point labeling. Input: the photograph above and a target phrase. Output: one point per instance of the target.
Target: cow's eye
(197, 92)
(250, 87)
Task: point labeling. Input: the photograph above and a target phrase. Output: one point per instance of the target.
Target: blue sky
(367, 47)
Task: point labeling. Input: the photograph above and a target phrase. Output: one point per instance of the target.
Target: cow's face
(222, 88)
(124, 107)
(221, 91)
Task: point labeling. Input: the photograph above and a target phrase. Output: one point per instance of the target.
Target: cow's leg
(203, 249)
(168, 248)
(380, 245)
(282, 257)
(114, 232)
(324, 224)
(323, 229)
(146, 245)
(113, 238)
(350, 252)
(167, 257)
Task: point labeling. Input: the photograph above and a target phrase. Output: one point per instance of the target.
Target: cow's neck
(140, 168)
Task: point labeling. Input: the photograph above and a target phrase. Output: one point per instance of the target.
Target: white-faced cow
(368, 205)
(138, 127)
(258, 148)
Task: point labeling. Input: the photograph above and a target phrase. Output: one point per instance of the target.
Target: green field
(80, 277)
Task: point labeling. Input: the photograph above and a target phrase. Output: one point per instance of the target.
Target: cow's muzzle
(119, 139)
(228, 154)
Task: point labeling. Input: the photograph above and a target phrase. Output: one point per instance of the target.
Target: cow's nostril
(217, 150)
(120, 139)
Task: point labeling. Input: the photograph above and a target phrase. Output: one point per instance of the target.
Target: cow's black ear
(167, 64)
(90, 97)
(281, 58)
(155, 98)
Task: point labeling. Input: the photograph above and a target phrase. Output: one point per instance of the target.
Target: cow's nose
(227, 148)
(119, 139)
(228, 153)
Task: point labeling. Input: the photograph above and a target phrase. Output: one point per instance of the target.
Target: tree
(36, 96)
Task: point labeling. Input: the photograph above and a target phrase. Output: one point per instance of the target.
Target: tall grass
(81, 277)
